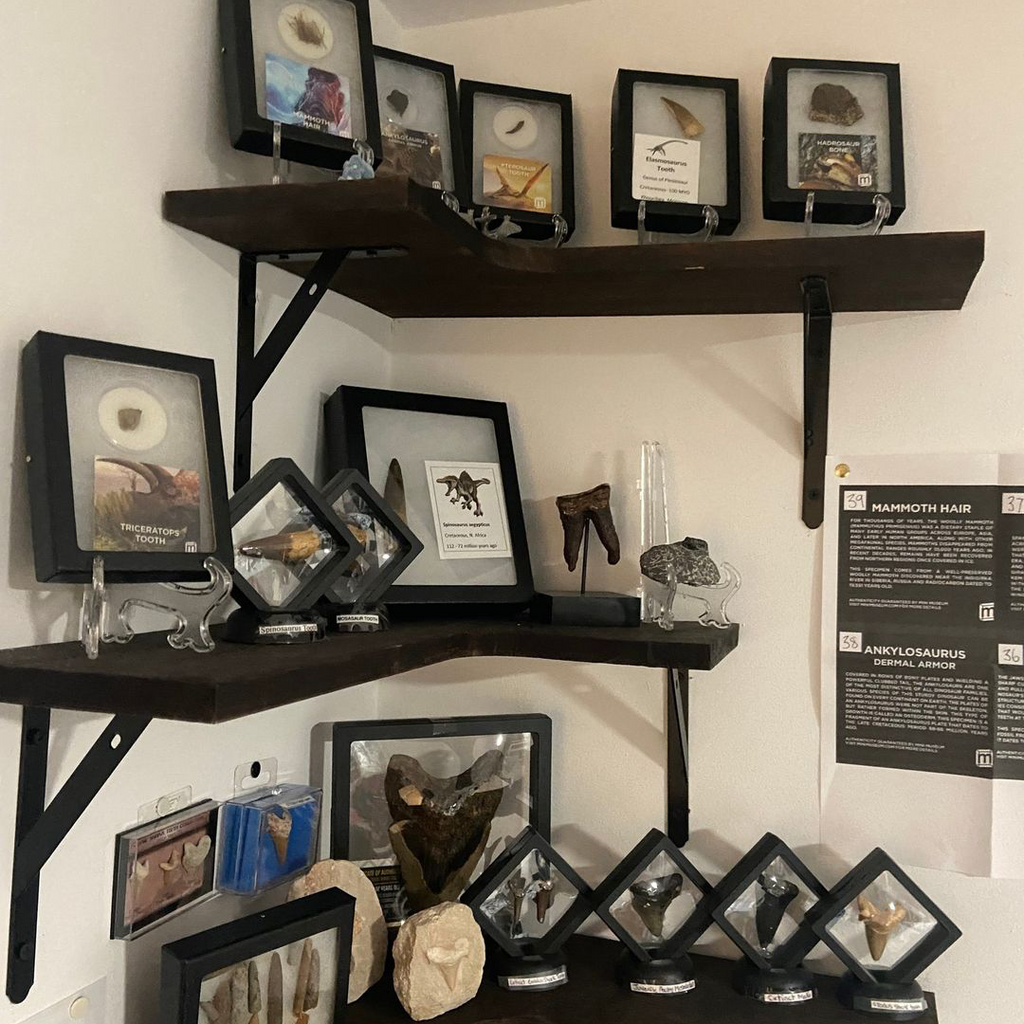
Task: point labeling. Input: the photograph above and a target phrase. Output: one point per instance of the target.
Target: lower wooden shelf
(593, 997)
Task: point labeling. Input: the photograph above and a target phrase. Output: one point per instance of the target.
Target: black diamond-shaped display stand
(892, 992)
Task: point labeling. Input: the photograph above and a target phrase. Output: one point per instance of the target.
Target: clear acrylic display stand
(190, 605)
(279, 177)
(506, 228)
(705, 234)
(883, 209)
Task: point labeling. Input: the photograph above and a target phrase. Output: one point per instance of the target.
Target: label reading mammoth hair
(311, 97)
(142, 506)
(468, 503)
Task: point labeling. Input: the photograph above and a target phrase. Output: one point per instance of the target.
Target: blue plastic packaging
(267, 837)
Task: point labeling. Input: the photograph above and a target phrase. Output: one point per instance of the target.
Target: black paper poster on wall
(930, 629)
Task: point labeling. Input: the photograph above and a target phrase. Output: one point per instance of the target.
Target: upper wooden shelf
(448, 269)
(148, 678)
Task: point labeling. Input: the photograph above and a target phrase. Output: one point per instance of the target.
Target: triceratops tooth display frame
(424, 805)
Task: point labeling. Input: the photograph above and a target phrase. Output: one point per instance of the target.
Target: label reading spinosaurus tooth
(468, 504)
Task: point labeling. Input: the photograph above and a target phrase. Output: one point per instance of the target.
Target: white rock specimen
(369, 931)
(439, 960)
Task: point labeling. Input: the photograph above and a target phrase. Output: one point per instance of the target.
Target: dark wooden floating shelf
(448, 269)
(593, 997)
(148, 678)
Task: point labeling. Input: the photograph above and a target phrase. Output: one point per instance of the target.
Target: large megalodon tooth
(652, 897)
(688, 559)
(776, 895)
(441, 825)
(879, 923)
(394, 490)
(579, 510)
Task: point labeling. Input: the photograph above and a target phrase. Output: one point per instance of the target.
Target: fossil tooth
(440, 825)
(517, 890)
(302, 981)
(195, 855)
(835, 104)
(776, 895)
(398, 101)
(173, 863)
(879, 923)
(240, 995)
(394, 490)
(516, 128)
(543, 898)
(689, 558)
(255, 998)
(652, 897)
(312, 997)
(140, 872)
(689, 125)
(129, 419)
(280, 829)
(294, 546)
(576, 511)
(448, 960)
(275, 992)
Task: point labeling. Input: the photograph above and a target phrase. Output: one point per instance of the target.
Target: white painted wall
(105, 111)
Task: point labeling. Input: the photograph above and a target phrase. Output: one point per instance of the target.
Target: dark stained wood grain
(593, 997)
(147, 677)
(450, 270)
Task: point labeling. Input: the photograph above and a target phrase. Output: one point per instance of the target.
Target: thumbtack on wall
(88, 1006)
(842, 470)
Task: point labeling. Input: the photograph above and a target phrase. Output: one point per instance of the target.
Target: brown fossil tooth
(275, 992)
(543, 897)
(302, 981)
(576, 510)
(394, 490)
(835, 104)
(652, 897)
(517, 890)
(879, 923)
(129, 419)
(689, 125)
(295, 546)
(280, 829)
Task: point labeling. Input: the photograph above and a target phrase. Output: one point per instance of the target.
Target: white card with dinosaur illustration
(468, 503)
(665, 170)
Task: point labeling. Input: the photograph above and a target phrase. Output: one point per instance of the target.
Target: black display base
(883, 999)
(655, 977)
(341, 619)
(246, 626)
(529, 973)
(775, 985)
(569, 608)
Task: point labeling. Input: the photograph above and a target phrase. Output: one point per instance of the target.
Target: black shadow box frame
(344, 734)
(185, 963)
(286, 473)
(447, 72)
(536, 226)
(779, 201)
(353, 480)
(671, 217)
(522, 846)
(848, 888)
(346, 447)
(58, 558)
(790, 953)
(255, 134)
(625, 874)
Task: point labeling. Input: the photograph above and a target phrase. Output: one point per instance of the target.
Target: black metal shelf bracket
(817, 358)
(254, 368)
(39, 829)
(677, 763)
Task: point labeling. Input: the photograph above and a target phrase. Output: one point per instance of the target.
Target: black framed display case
(519, 144)
(448, 467)
(246, 965)
(421, 134)
(125, 461)
(656, 903)
(528, 903)
(762, 906)
(676, 145)
(289, 548)
(385, 545)
(497, 766)
(834, 128)
(307, 66)
(886, 931)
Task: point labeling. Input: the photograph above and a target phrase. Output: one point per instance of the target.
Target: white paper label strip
(900, 1005)
(803, 996)
(542, 979)
(662, 990)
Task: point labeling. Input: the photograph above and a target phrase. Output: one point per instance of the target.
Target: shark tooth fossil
(293, 546)
(689, 559)
(775, 896)
(879, 923)
(394, 490)
(441, 825)
(280, 829)
(579, 510)
(543, 897)
(689, 125)
(275, 991)
(835, 104)
(652, 897)
(517, 890)
(448, 960)
(302, 981)
(129, 419)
